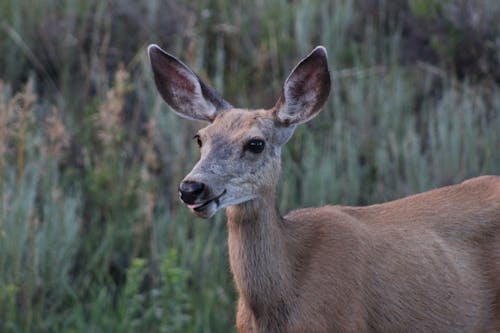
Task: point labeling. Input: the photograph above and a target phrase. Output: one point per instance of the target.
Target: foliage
(92, 237)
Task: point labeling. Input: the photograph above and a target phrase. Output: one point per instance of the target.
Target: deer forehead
(239, 124)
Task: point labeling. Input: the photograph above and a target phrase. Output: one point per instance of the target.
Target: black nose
(190, 191)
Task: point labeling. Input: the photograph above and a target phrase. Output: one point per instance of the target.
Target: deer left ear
(305, 90)
(182, 89)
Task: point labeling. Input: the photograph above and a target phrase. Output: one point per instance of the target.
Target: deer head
(240, 148)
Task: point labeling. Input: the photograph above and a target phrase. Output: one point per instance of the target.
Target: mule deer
(426, 263)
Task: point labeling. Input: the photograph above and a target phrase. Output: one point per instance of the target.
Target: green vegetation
(92, 236)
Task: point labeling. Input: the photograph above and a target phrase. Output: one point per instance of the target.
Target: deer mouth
(199, 207)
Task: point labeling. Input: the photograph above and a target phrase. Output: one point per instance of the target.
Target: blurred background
(92, 235)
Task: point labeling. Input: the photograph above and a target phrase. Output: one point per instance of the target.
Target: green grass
(92, 235)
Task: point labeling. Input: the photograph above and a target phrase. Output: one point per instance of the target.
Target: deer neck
(257, 252)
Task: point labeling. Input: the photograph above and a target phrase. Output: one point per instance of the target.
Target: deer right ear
(182, 89)
(305, 90)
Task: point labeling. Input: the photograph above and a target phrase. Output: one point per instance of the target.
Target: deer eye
(255, 146)
(198, 140)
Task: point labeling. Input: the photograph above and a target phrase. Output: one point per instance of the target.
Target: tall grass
(92, 236)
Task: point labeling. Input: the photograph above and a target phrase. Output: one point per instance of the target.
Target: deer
(429, 262)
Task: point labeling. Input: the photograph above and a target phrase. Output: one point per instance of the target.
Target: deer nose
(190, 191)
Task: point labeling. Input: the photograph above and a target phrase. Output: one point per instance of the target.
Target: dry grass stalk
(23, 103)
(16, 116)
(57, 138)
(109, 118)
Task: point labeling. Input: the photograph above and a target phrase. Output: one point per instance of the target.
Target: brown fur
(418, 264)
(426, 263)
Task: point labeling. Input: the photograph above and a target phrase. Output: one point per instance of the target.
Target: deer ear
(182, 89)
(305, 90)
